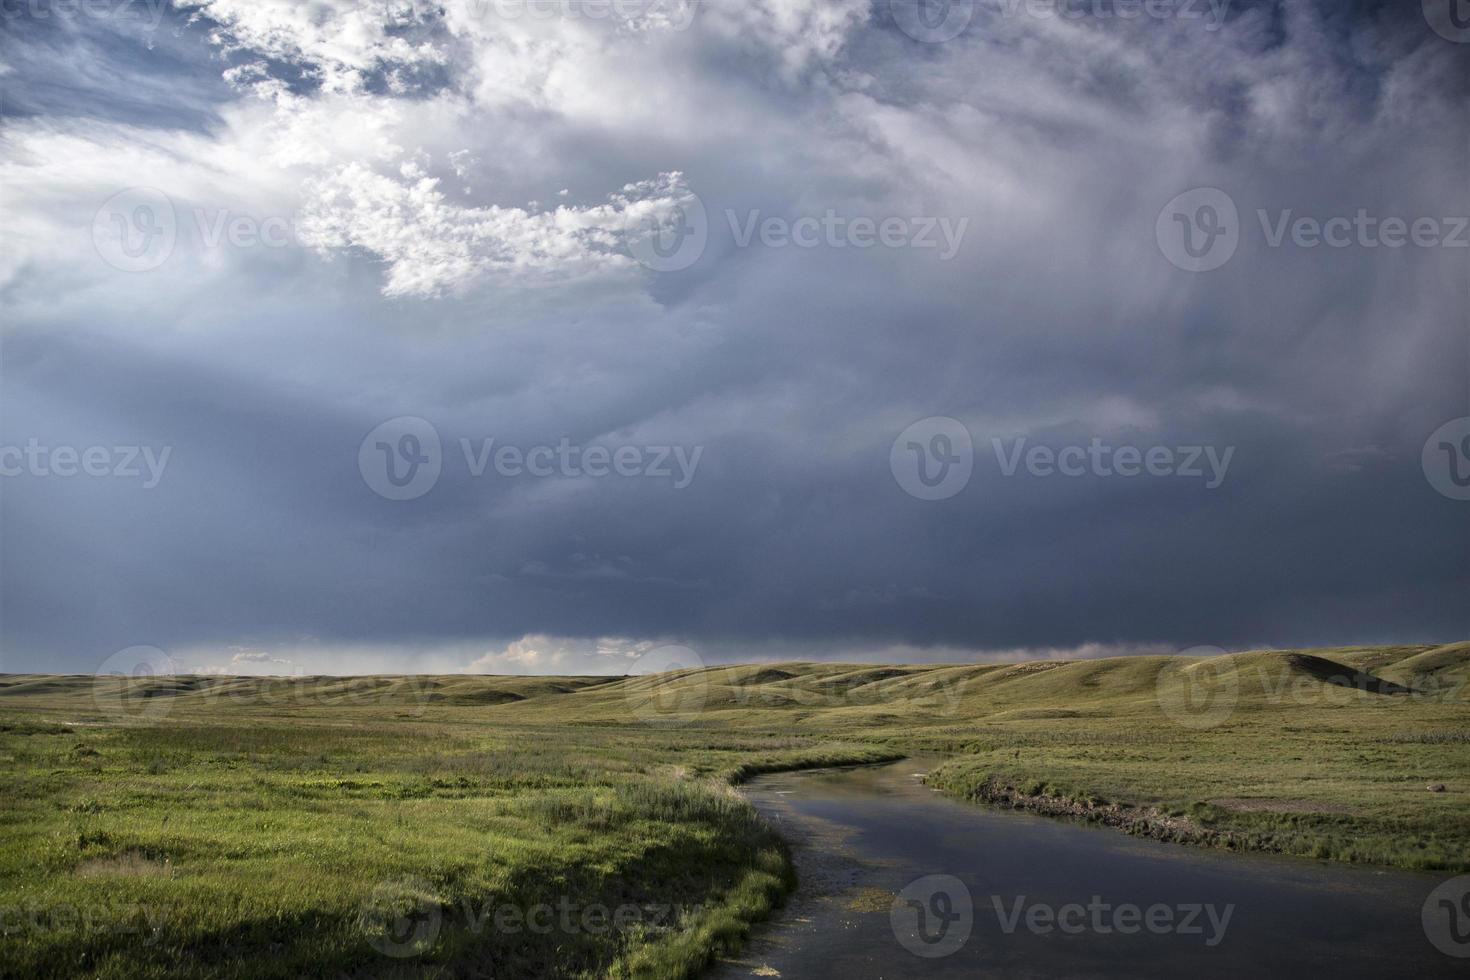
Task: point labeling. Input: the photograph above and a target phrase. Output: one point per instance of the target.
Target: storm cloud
(400, 289)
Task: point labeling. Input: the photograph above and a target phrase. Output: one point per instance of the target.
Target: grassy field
(495, 826)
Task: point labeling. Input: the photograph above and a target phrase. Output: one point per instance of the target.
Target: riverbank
(1303, 827)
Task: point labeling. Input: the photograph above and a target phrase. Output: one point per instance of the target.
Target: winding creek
(1018, 895)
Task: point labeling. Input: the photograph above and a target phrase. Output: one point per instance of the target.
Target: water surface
(862, 836)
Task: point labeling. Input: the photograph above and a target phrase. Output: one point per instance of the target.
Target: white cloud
(340, 40)
(249, 663)
(539, 653)
(430, 244)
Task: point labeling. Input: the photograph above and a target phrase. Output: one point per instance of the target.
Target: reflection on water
(898, 881)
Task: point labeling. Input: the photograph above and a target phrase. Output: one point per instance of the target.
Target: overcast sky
(802, 328)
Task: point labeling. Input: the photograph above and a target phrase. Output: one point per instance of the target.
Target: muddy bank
(1138, 821)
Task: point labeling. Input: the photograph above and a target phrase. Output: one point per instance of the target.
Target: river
(982, 892)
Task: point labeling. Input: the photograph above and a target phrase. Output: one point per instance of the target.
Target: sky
(350, 336)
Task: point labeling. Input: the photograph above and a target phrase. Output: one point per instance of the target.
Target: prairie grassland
(581, 827)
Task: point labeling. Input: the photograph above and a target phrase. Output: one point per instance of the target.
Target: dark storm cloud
(1320, 371)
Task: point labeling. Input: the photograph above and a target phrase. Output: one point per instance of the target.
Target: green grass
(205, 826)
